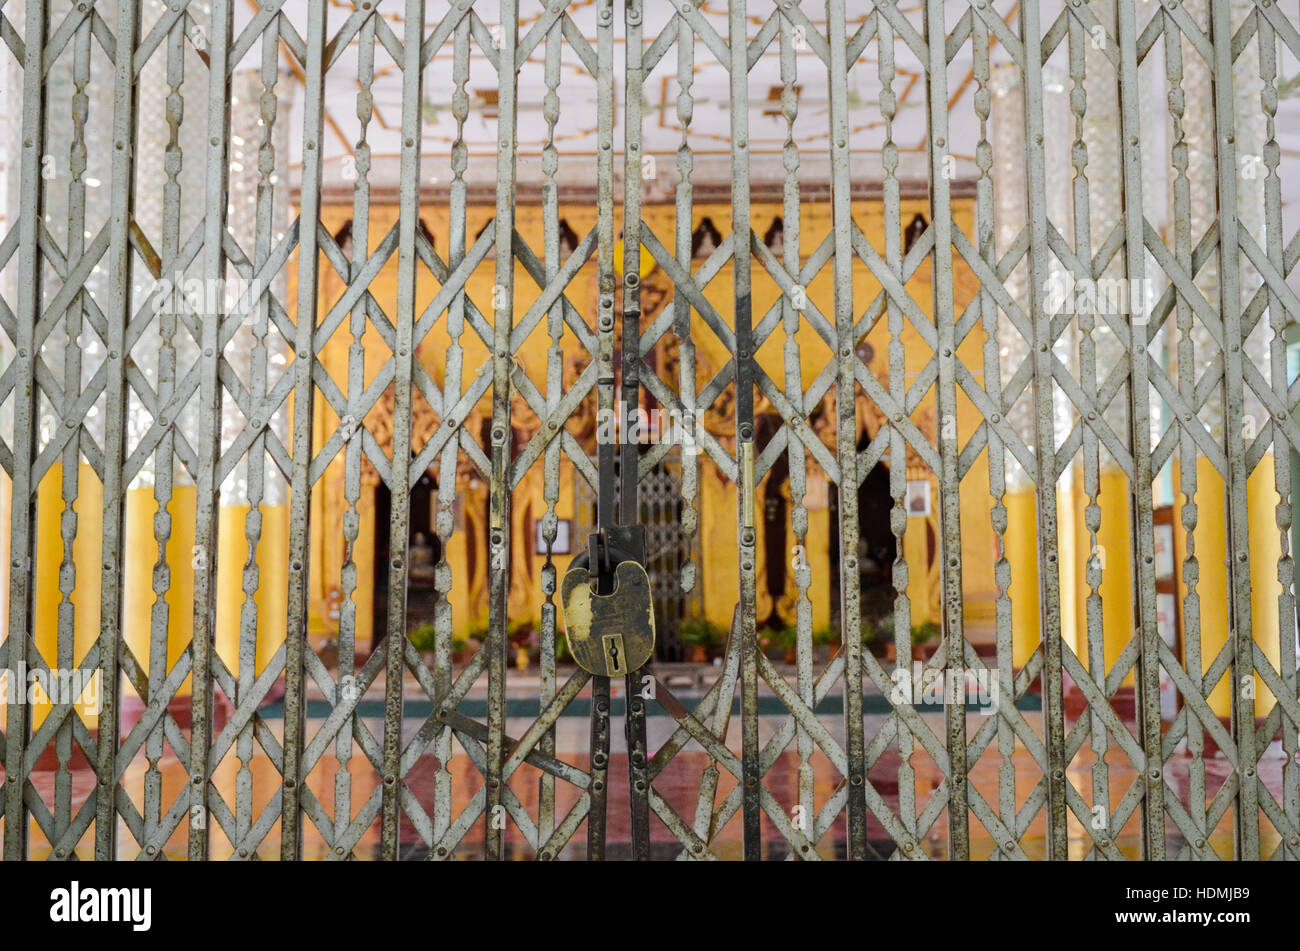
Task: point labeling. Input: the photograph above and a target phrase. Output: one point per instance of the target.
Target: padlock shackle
(612, 547)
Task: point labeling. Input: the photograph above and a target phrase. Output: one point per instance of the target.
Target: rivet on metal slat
(1239, 581)
(300, 479)
(209, 436)
(395, 643)
(502, 364)
(124, 123)
(1045, 443)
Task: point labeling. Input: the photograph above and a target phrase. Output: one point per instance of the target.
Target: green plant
(786, 638)
(423, 637)
(927, 632)
(878, 630)
(824, 636)
(522, 632)
(702, 632)
(459, 645)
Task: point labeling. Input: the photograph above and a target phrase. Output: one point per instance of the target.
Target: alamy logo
(75, 904)
(57, 686)
(204, 296)
(631, 426)
(1114, 297)
(936, 685)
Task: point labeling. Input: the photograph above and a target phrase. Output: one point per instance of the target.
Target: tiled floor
(678, 783)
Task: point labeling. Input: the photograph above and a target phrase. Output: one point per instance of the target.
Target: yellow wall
(86, 558)
(717, 580)
(1114, 536)
(138, 595)
(1211, 545)
(270, 595)
(717, 531)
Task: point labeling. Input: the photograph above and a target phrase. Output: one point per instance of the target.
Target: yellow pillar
(271, 597)
(819, 565)
(232, 552)
(1211, 545)
(1022, 554)
(364, 556)
(1114, 536)
(462, 618)
(1210, 540)
(1262, 501)
(916, 550)
(1068, 544)
(86, 560)
(140, 554)
(6, 511)
(719, 544)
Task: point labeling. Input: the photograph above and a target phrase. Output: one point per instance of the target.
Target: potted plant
(718, 645)
(478, 636)
(878, 637)
(523, 634)
(699, 634)
(329, 653)
(562, 655)
(925, 640)
(788, 640)
(423, 639)
(825, 642)
(459, 647)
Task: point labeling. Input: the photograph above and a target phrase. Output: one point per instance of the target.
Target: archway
(424, 550)
(877, 546)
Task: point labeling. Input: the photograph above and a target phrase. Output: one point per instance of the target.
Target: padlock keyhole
(613, 646)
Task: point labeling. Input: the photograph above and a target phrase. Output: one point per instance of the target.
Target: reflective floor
(355, 790)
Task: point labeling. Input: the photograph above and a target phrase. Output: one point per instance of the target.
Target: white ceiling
(708, 136)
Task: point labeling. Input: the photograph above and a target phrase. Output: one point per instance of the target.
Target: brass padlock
(609, 635)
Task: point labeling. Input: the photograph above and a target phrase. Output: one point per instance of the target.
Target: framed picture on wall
(918, 498)
(563, 544)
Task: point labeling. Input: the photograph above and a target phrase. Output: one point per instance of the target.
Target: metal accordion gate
(174, 281)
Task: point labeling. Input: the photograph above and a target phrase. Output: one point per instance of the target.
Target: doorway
(424, 551)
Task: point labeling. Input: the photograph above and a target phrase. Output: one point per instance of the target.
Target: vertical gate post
(207, 486)
(949, 448)
(1283, 448)
(1044, 447)
(605, 449)
(395, 643)
(629, 506)
(22, 541)
(447, 482)
(502, 363)
(303, 392)
(117, 315)
(1241, 632)
(738, 104)
(350, 584)
(1148, 692)
(846, 430)
(209, 438)
(796, 453)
